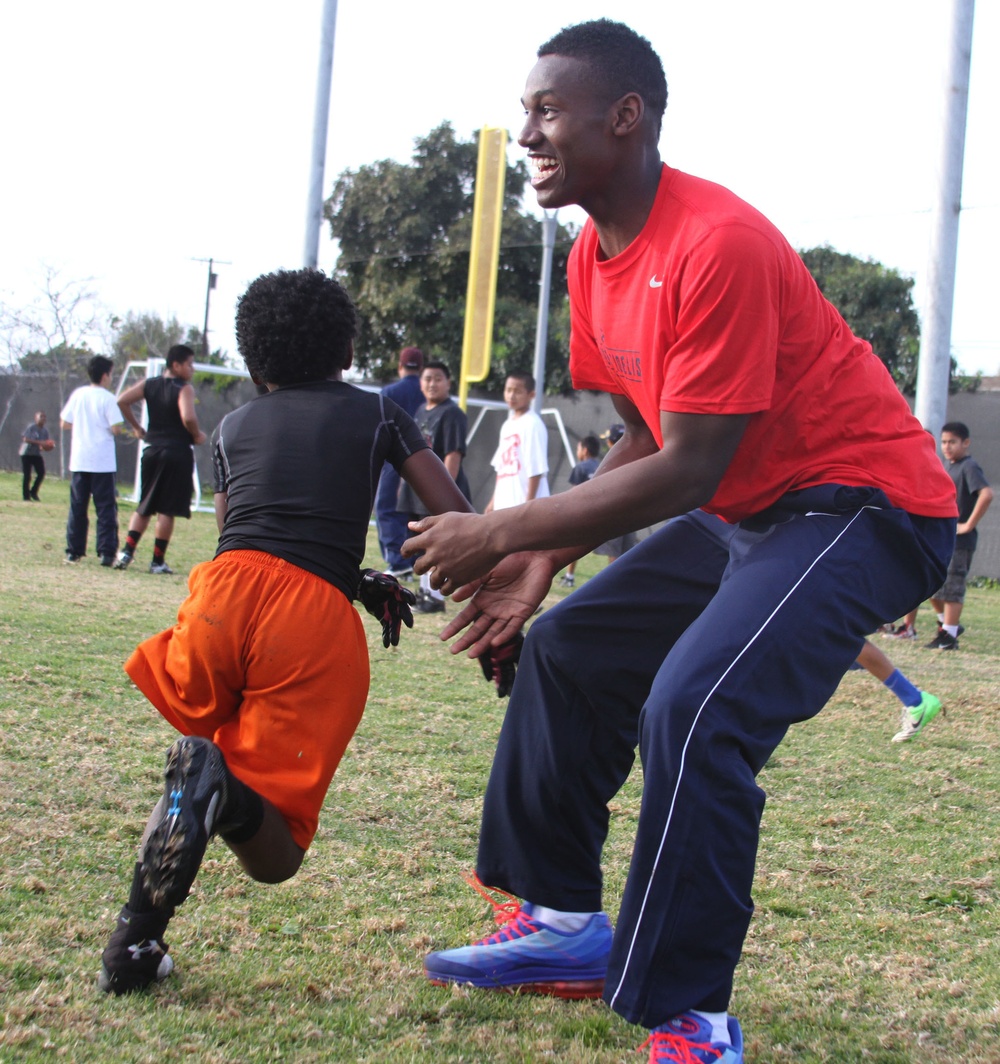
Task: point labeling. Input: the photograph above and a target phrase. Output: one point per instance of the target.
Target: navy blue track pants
(700, 646)
(391, 524)
(100, 487)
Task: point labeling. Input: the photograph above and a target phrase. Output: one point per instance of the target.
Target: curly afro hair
(294, 326)
(620, 59)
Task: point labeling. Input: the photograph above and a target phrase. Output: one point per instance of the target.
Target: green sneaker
(915, 717)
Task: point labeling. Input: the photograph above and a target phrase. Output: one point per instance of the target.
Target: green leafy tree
(139, 337)
(142, 336)
(877, 303)
(146, 335)
(62, 361)
(404, 232)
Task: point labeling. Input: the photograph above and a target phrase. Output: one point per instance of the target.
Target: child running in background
(588, 458)
(615, 548)
(919, 707)
(266, 672)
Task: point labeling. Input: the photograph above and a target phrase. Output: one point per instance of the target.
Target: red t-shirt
(711, 311)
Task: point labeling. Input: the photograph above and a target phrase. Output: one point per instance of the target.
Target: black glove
(499, 664)
(387, 601)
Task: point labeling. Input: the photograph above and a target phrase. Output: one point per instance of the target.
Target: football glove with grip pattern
(387, 601)
(499, 664)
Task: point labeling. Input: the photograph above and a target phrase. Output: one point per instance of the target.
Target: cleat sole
(567, 989)
(176, 846)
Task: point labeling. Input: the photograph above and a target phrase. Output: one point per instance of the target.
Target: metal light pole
(321, 120)
(549, 226)
(935, 348)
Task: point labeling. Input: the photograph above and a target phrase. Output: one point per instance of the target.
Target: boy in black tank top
(167, 459)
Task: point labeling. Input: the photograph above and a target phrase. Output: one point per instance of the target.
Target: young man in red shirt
(744, 397)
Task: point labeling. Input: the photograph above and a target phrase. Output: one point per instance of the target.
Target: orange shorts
(269, 662)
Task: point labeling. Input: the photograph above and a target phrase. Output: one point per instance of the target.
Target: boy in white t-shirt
(93, 415)
(521, 460)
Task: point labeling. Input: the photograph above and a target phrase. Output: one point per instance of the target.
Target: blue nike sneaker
(529, 956)
(686, 1039)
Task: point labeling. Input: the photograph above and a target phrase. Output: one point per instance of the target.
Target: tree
(876, 302)
(54, 333)
(404, 233)
(142, 336)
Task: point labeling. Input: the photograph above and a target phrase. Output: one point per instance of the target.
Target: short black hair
(526, 378)
(294, 326)
(619, 57)
(97, 367)
(179, 353)
(592, 445)
(956, 428)
(437, 365)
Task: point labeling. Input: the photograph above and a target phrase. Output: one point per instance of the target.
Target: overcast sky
(140, 138)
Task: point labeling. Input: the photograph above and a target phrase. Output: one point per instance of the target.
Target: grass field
(874, 939)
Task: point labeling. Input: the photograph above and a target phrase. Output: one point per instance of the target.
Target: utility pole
(213, 278)
(321, 122)
(934, 368)
(549, 227)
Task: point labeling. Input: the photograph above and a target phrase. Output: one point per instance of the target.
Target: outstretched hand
(388, 602)
(453, 547)
(500, 603)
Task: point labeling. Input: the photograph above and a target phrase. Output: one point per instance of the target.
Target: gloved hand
(387, 601)
(499, 664)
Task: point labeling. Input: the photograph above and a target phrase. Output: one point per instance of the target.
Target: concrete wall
(582, 414)
(981, 412)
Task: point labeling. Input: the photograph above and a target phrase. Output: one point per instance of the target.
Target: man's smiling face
(568, 133)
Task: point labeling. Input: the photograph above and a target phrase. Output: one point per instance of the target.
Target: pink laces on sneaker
(668, 1048)
(513, 920)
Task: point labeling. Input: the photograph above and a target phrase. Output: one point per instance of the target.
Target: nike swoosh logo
(654, 283)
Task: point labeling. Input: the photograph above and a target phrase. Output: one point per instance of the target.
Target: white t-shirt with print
(523, 452)
(92, 411)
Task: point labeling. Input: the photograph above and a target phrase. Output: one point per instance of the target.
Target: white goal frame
(153, 367)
